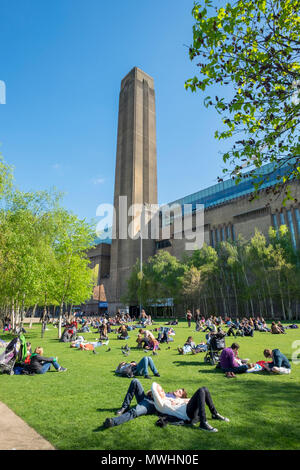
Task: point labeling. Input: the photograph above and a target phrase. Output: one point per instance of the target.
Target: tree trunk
(289, 304)
(235, 297)
(281, 296)
(32, 316)
(22, 313)
(60, 319)
(44, 321)
(270, 295)
(17, 316)
(13, 318)
(250, 299)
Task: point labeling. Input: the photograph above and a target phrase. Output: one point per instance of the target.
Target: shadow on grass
(212, 371)
(112, 410)
(100, 428)
(187, 363)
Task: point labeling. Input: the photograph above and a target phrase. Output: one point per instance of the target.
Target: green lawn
(67, 408)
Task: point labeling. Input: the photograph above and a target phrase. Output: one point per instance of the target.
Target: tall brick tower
(135, 176)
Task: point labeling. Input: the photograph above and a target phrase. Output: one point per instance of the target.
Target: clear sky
(63, 61)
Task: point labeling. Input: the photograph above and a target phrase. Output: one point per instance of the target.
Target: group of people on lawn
(36, 363)
(172, 407)
(175, 407)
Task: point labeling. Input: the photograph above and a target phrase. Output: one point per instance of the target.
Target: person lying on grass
(280, 364)
(145, 404)
(40, 364)
(133, 369)
(191, 411)
(88, 345)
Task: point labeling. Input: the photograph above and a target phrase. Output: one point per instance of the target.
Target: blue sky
(63, 61)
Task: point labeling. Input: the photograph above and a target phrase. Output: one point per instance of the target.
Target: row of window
(290, 218)
(222, 234)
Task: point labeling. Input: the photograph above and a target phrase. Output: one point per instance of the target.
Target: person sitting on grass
(229, 363)
(248, 329)
(275, 330)
(135, 369)
(153, 344)
(190, 411)
(190, 346)
(40, 364)
(149, 340)
(123, 334)
(280, 364)
(139, 341)
(145, 404)
(209, 325)
(103, 331)
(165, 334)
(281, 328)
(231, 331)
(261, 326)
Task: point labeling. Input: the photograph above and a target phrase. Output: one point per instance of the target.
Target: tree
(43, 252)
(73, 279)
(6, 177)
(192, 285)
(23, 249)
(252, 47)
(162, 280)
(286, 266)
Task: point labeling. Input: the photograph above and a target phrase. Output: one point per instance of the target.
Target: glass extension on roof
(227, 190)
(104, 237)
(218, 194)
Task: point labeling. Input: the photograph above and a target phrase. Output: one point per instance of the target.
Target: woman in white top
(190, 410)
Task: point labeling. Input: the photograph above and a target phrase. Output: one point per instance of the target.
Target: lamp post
(141, 268)
(141, 256)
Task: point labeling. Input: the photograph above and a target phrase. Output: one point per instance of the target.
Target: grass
(67, 408)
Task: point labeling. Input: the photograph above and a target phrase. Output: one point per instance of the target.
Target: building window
(297, 214)
(282, 221)
(228, 232)
(212, 238)
(217, 236)
(274, 221)
(291, 226)
(163, 244)
(233, 233)
(223, 234)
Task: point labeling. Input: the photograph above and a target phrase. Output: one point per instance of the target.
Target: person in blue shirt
(280, 364)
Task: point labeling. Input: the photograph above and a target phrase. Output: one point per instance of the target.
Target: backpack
(127, 371)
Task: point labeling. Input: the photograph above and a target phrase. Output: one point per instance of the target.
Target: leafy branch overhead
(253, 48)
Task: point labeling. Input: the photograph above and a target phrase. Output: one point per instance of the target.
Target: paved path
(15, 434)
